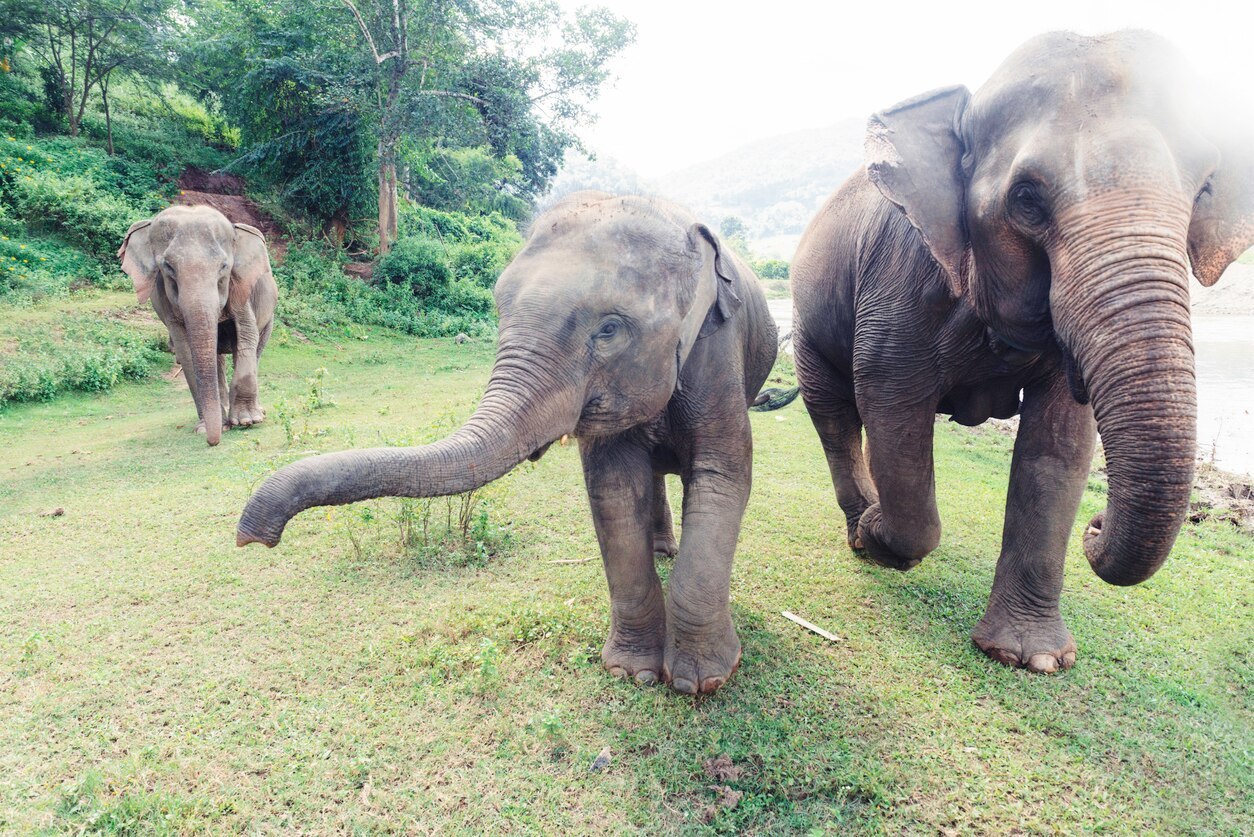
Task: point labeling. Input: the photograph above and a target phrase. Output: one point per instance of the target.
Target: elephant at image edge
(1036, 236)
(628, 324)
(211, 286)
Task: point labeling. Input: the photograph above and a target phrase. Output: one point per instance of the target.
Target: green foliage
(316, 297)
(419, 264)
(771, 269)
(82, 353)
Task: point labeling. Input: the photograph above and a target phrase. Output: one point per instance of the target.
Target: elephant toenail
(712, 684)
(682, 684)
(646, 678)
(1068, 659)
(1046, 663)
(618, 671)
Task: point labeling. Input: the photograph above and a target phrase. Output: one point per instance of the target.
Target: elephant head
(1066, 199)
(598, 313)
(197, 266)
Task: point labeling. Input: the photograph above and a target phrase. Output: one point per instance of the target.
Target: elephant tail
(773, 399)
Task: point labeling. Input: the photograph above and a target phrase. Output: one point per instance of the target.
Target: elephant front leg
(903, 526)
(1054, 449)
(245, 409)
(619, 478)
(702, 649)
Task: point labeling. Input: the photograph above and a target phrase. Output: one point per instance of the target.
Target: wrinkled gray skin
(210, 283)
(1036, 236)
(625, 322)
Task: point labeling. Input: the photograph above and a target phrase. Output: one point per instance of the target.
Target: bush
(89, 354)
(316, 297)
(418, 264)
(771, 269)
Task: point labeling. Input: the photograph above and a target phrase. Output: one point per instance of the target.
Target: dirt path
(225, 193)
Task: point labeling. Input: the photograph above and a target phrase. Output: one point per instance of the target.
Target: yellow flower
(23, 246)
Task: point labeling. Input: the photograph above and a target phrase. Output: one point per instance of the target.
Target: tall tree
(409, 77)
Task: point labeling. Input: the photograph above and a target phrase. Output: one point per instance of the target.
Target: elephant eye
(608, 329)
(1028, 204)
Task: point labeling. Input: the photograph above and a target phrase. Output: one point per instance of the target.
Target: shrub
(417, 264)
(771, 269)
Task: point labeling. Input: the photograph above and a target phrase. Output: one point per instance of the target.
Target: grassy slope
(153, 676)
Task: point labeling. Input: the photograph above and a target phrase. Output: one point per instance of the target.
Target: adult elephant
(210, 283)
(627, 323)
(1036, 238)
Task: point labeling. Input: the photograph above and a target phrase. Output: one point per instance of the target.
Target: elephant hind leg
(839, 426)
(664, 542)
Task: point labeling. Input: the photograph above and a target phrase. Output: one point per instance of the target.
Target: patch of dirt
(198, 180)
(1223, 496)
(360, 270)
(721, 769)
(225, 193)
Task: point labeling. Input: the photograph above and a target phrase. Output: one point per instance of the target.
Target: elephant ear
(914, 157)
(138, 260)
(1222, 227)
(715, 299)
(252, 261)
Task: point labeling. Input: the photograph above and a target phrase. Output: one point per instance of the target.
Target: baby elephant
(625, 322)
(210, 284)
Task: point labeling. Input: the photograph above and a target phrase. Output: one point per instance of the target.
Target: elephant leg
(702, 649)
(1053, 451)
(663, 527)
(245, 409)
(224, 392)
(840, 432)
(903, 525)
(839, 426)
(619, 478)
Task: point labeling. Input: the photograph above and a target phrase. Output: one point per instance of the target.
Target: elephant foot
(665, 544)
(870, 539)
(245, 414)
(1041, 644)
(700, 662)
(635, 655)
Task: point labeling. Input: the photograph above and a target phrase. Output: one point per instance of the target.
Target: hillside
(774, 185)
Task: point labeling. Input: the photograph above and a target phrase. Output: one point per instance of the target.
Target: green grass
(155, 679)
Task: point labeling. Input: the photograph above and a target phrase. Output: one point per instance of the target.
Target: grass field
(154, 678)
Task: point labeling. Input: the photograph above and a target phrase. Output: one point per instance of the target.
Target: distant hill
(774, 185)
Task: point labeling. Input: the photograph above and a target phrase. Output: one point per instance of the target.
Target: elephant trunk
(1121, 309)
(517, 417)
(202, 336)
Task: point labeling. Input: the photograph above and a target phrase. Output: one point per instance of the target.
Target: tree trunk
(104, 98)
(387, 196)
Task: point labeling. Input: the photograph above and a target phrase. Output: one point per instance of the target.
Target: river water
(1224, 348)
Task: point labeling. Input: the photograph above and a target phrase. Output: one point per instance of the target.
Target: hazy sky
(705, 77)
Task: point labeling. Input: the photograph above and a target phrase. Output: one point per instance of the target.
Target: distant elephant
(210, 283)
(1034, 237)
(628, 324)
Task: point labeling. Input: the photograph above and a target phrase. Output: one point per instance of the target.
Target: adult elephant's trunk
(1120, 301)
(201, 323)
(518, 416)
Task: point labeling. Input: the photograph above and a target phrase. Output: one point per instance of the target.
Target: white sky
(706, 77)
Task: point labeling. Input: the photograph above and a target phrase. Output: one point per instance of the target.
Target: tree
(409, 80)
(80, 43)
(453, 51)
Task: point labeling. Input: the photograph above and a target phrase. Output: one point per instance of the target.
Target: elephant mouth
(1075, 375)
